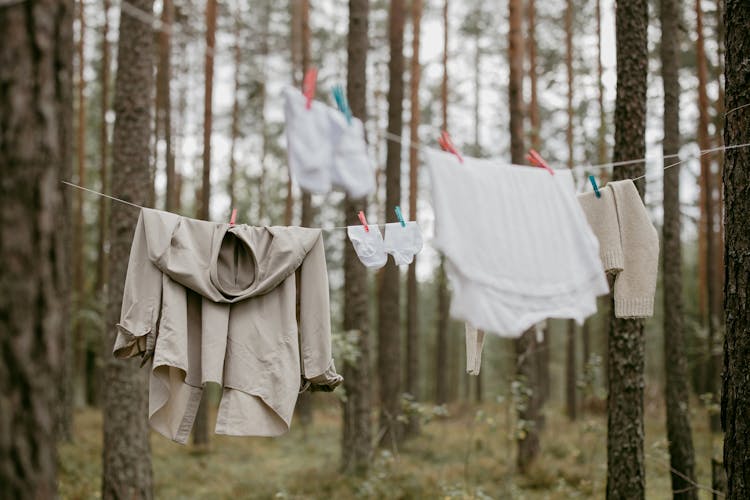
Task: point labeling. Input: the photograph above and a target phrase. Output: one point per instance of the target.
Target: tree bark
(625, 469)
(389, 310)
(36, 119)
(126, 471)
(570, 364)
(679, 434)
(200, 425)
(235, 126)
(708, 221)
(735, 399)
(529, 402)
(164, 101)
(534, 120)
(356, 443)
(412, 298)
(442, 319)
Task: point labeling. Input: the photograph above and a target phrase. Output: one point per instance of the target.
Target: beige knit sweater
(628, 245)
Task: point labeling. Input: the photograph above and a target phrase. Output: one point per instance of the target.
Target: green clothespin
(400, 217)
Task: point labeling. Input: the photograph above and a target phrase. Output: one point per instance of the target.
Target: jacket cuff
(641, 307)
(326, 381)
(613, 261)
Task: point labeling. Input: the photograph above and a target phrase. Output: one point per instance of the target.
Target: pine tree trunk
(126, 431)
(164, 101)
(389, 310)
(356, 443)
(735, 399)
(442, 319)
(625, 469)
(534, 120)
(709, 220)
(36, 116)
(235, 126)
(200, 425)
(527, 427)
(570, 354)
(412, 298)
(679, 434)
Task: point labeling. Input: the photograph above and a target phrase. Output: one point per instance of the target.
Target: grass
(468, 454)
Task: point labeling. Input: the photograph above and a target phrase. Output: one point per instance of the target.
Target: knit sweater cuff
(613, 260)
(641, 307)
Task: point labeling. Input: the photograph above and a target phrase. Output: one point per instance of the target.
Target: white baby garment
(403, 242)
(517, 245)
(325, 150)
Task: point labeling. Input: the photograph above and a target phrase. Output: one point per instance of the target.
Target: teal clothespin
(400, 217)
(341, 102)
(596, 188)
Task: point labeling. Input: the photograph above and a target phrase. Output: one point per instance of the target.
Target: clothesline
(701, 153)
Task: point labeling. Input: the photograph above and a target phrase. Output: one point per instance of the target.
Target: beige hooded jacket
(212, 302)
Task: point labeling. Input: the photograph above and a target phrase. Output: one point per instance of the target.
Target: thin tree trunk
(267, 6)
(295, 12)
(200, 425)
(625, 469)
(164, 101)
(235, 127)
(126, 431)
(679, 434)
(356, 443)
(534, 120)
(36, 117)
(389, 310)
(735, 398)
(442, 319)
(78, 380)
(570, 354)
(412, 298)
(708, 221)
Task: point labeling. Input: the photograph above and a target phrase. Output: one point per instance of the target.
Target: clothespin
(341, 102)
(308, 85)
(400, 217)
(596, 188)
(447, 144)
(363, 220)
(536, 160)
(233, 217)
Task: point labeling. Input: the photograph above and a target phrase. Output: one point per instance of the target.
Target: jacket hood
(243, 261)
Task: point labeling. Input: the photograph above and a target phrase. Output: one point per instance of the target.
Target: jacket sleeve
(141, 301)
(315, 322)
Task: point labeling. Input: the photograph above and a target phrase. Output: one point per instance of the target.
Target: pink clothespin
(233, 217)
(536, 160)
(363, 220)
(308, 85)
(447, 144)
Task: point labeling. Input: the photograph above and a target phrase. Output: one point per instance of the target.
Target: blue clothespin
(596, 188)
(400, 217)
(341, 102)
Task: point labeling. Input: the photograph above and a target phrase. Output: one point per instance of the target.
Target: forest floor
(468, 454)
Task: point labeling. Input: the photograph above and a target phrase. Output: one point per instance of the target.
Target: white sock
(368, 245)
(351, 170)
(309, 142)
(403, 242)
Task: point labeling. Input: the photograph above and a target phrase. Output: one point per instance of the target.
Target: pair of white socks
(325, 150)
(403, 242)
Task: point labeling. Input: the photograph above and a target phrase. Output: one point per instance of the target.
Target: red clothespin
(363, 220)
(308, 85)
(536, 160)
(447, 144)
(233, 217)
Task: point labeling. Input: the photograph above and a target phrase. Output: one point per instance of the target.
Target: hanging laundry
(474, 346)
(628, 243)
(403, 242)
(517, 245)
(210, 302)
(325, 149)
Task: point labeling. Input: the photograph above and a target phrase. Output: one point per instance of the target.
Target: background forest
(199, 88)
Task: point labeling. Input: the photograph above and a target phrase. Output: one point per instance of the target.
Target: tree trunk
(708, 222)
(262, 94)
(235, 126)
(126, 431)
(164, 101)
(356, 443)
(529, 402)
(412, 298)
(200, 425)
(442, 319)
(570, 364)
(295, 13)
(679, 435)
(735, 398)
(36, 117)
(389, 309)
(534, 120)
(625, 470)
